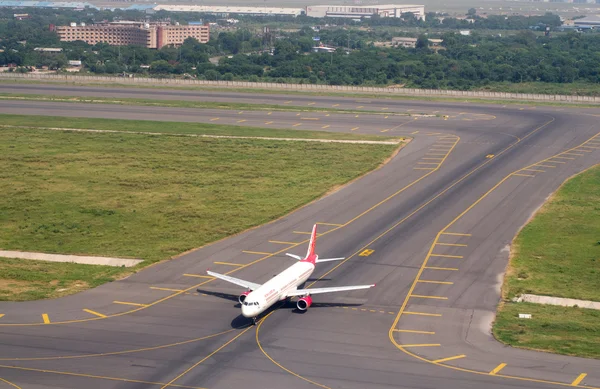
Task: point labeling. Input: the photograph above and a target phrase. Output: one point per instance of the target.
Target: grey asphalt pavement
(433, 234)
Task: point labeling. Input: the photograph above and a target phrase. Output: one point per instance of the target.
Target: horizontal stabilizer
(329, 259)
(233, 280)
(306, 292)
(294, 256)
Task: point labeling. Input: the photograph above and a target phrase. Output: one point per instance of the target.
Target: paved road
(431, 228)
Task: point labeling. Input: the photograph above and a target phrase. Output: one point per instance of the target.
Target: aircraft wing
(233, 280)
(304, 292)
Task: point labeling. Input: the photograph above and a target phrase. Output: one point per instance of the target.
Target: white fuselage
(276, 289)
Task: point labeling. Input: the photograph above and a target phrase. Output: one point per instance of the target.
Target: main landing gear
(253, 321)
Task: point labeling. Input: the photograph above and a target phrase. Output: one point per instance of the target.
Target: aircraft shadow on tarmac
(241, 321)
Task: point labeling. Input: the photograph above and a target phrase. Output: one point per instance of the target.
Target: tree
(471, 12)
(161, 67)
(422, 42)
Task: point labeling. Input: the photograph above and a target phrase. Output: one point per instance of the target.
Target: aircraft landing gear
(253, 321)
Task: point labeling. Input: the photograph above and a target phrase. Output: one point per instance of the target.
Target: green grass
(146, 196)
(561, 330)
(175, 127)
(546, 88)
(190, 104)
(557, 254)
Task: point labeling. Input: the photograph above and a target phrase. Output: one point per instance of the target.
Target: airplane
(258, 298)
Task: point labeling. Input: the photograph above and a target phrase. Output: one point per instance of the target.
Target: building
(412, 42)
(588, 22)
(152, 36)
(233, 9)
(353, 11)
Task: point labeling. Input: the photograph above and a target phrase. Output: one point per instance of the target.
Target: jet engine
(304, 303)
(243, 296)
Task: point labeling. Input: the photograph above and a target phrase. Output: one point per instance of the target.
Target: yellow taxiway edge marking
(1, 315)
(555, 161)
(354, 129)
(575, 154)
(421, 345)
(228, 264)
(451, 244)
(255, 252)
(585, 151)
(306, 233)
(127, 303)
(282, 242)
(166, 289)
(558, 156)
(441, 268)
(330, 224)
(591, 147)
(540, 165)
(455, 234)
(428, 163)
(241, 112)
(335, 105)
(498, 368)
(269, 113)
(424, 168)
(447, 256)
(326, 126)
(296, 125)
(414, 132)
(309, 118)
(94, 313)
(313, 103)
(523, 175)
(268, 122)
(213, 119)
(449, 358)
(197, 276)
(423, 314)
(578, 380)
(45, 318)
(10, 383)
(356, 116)
(429, 297)
(241, 121)
(535, 170)
(436, 282)
(417, 332)
(386, 130)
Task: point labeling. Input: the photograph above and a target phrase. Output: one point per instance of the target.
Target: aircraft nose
(247, 311)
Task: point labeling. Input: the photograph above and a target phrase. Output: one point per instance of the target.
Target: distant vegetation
(462, 62)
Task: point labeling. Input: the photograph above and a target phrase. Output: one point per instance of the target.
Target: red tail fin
(311, 245)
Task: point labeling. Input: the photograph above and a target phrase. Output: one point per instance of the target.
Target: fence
(305, 87)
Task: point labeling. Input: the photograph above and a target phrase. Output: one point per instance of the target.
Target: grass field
(146, 196)
(557, 254)
(175, 127)
(577, 88)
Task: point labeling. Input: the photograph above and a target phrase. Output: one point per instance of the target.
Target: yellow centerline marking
(94, 313)
(578, 380)
(558, 156)
(269, 113)
(436, 282)
(386, 130)
(313, 103)
(535, 170)
(45, 318)
(326, 126)
(423, 314)
(575, 154)
(255, 252)
(427, 163)
(166, 289)
(197, 276)
(540, 165)
(10, 383)
(447, 256)
(242, 121)
(205, 358)
(451, 244)
(523, 175)
(456, 234)
(282, 242)
(498, 368)
(414, 132)
(269, 122)
(591, 147)
(213, 119)
(128, 303)
(417, 332)
(441, 268)
(429, 297)
(309, 118)
(449, 358)
(354, 129)
(330, 224)
(230, 264)
(556, 161)
(335, 105)
(422, 345)
(297, 124)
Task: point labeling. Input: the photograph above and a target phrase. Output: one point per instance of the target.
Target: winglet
(311, 245)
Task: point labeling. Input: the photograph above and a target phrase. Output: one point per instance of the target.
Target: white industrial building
(353, 11)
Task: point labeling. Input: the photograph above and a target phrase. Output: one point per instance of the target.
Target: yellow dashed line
(578, 380)
(255, 252)
(242, 121)
(447, 256)
(558, 156)
(268, 122)
(441, 268)
(94, 313)
(498, 368)
(228, 264)
(449, 358)
(523, 175)
(436, 282)
(296, 125)
(423, 314)
(213, 119)
(555, 161)
(282, 242)
(417, 332)
(540, 165)
(451, 244)
(455, 234)
(330, 224)
(166, 289)
(354, 129)
(326, 126)
(127, 303)
(428, 297)
(535, 170)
